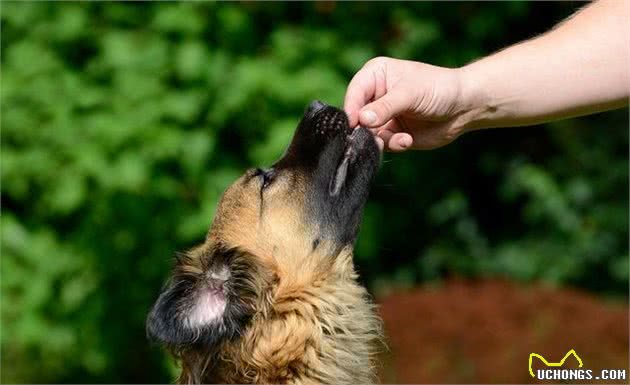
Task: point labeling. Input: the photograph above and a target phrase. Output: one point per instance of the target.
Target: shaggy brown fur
(272, 295)
(317, 331)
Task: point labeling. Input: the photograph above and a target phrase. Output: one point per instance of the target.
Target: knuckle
(377, 61)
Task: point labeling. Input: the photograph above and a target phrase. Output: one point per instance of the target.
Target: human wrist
(476, 108)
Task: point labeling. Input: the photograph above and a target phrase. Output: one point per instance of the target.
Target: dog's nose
(316, 106)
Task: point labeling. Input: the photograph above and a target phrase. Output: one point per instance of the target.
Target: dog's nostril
(316, 106)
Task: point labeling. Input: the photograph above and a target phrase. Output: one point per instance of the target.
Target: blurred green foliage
(123, 123)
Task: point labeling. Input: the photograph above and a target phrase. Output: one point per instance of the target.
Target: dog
(272, 296)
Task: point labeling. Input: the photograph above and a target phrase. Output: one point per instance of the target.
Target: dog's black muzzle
(339, 163)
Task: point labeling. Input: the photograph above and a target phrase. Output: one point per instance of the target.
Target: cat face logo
(553, 364)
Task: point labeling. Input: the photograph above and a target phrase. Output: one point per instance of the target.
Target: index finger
(361, 90)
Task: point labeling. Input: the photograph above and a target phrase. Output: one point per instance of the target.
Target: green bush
(122, 123)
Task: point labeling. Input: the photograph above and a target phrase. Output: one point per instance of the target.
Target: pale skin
(581, 66)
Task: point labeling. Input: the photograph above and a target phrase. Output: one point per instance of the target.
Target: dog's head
(280, 226)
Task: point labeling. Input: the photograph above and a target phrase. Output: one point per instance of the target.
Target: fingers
(383, 135)
(379, 143)
(395, 141)
(400, 141)
(424, 136)
(385, 108)
(392, 126)
(366, 85)
(379, 99)
(361, 89)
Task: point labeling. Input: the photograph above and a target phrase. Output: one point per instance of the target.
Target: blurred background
(122, 123)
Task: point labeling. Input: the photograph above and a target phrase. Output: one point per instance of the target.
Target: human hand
(407, 104)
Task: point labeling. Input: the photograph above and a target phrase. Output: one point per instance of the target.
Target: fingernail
(405, 142)
(368, 117)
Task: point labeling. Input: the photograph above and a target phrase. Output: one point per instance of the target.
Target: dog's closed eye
(266, 177)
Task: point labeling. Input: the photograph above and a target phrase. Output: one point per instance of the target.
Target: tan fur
(313, 322)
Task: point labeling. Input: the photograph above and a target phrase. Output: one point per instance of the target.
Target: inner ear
(210, 297)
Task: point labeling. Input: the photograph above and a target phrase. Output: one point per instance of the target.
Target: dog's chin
(339, 208)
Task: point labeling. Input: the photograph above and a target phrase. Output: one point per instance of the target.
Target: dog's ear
(210, 297)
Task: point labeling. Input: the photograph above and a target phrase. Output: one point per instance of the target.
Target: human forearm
(578, 68)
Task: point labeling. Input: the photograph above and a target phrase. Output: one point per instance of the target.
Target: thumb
(385, 108)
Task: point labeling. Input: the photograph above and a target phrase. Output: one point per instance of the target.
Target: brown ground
(483, 332)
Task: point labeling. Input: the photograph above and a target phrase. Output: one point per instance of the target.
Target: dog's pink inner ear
(210, 302)
(208, 307)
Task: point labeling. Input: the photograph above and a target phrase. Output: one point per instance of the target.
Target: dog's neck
(326, 331)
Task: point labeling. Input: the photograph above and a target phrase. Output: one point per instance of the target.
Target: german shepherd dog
(271, 296)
